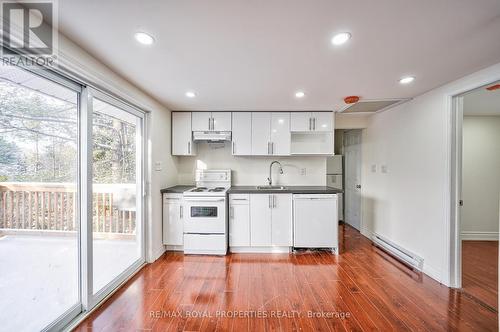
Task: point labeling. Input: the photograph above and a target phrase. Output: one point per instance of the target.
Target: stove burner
(199, 189)
(217, 189)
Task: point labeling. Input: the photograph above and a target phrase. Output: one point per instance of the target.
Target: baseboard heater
(396, 251)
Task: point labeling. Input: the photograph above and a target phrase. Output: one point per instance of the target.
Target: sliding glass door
(39, 223)
(117, 191)
(71, 197)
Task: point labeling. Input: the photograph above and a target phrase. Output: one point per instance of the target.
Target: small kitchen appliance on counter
(206, 222)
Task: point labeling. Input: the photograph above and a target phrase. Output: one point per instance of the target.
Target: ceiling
(254, 55)
(481, 102)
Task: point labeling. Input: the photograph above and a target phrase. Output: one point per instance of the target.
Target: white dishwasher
(315, 221)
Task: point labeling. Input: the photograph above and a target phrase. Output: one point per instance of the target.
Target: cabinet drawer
(239, 199)
(172, 197)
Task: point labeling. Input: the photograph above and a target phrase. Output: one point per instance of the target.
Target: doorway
(477, 192)
(352, 188)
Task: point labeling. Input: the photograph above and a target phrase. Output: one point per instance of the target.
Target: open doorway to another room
(480, 193)
(344, 172)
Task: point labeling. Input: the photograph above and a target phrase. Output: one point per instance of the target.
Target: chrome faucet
(270, 179)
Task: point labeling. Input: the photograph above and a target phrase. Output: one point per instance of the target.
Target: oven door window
(204, 212)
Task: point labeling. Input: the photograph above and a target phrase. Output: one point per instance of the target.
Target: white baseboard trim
(156, 254)
(260, 250)
(479, 236)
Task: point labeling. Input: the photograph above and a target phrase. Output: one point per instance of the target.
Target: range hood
(211, 136)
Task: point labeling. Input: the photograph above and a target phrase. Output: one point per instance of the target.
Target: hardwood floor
(361, 290)
(480, 270)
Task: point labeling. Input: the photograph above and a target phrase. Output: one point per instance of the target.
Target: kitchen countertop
(179, 189)
(288, 190)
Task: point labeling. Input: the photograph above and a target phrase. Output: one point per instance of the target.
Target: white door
(352, 187)
(201, 121)
(221, 121)
(280, 134)
(281, 215)
(181, 134)
(239, 221)
(261, 125)
(173, 228)
(322, 121)
(260, 220)
(242, 133)
(300, 121)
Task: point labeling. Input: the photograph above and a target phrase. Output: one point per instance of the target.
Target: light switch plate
(303, 171)
(374, 168)
(158, 166)
(383, 168)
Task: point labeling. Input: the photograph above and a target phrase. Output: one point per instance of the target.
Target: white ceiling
(482, 102)
(254, 55)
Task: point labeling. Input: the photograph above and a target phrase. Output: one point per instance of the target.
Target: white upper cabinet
(211, 121)
(270, 133)
(300, 121)
(202, 121)
(261, 133)
(280, 134)
(182, 138)
(322, 121)
(242, 134)
(311, 121)
(221, 121)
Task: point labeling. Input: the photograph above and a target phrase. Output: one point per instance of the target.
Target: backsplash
(253, 170)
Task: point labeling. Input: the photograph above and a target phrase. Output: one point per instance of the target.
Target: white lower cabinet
(260, 220)
(270, 220)
(173, 221)
(239, 220)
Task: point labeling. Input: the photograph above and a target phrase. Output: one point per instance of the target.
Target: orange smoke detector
(493, 87)
(351, 99)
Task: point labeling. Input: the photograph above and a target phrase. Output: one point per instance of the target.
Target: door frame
(453, 241)
(344, 198)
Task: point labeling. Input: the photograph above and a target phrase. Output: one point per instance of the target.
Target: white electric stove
(205, 223)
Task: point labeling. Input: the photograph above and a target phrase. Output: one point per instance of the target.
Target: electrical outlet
(384, 169)
(374, 168)
(303, 171)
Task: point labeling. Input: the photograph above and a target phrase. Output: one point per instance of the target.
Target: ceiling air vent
(372, 106)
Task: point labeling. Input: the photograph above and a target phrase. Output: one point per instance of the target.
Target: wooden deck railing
(53, 206)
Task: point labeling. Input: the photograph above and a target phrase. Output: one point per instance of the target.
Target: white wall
(351, 120)
(481, 177)
(253, 170)
(410, 204)
(83, 65)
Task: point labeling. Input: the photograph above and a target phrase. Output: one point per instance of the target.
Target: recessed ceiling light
(190, 94)
(300, 94)
(341, 38)
(144, 38)
(406, 79)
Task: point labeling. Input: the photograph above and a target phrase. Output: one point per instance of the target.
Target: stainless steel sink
(271, 188)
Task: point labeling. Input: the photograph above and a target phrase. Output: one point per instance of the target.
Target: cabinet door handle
(269, 199)
(268, 147)
(213, 124)
(181, 212)
(189, 147)
(314, 123)
(310, 124)
(233, 147)
(272, 147)
(231, 212)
